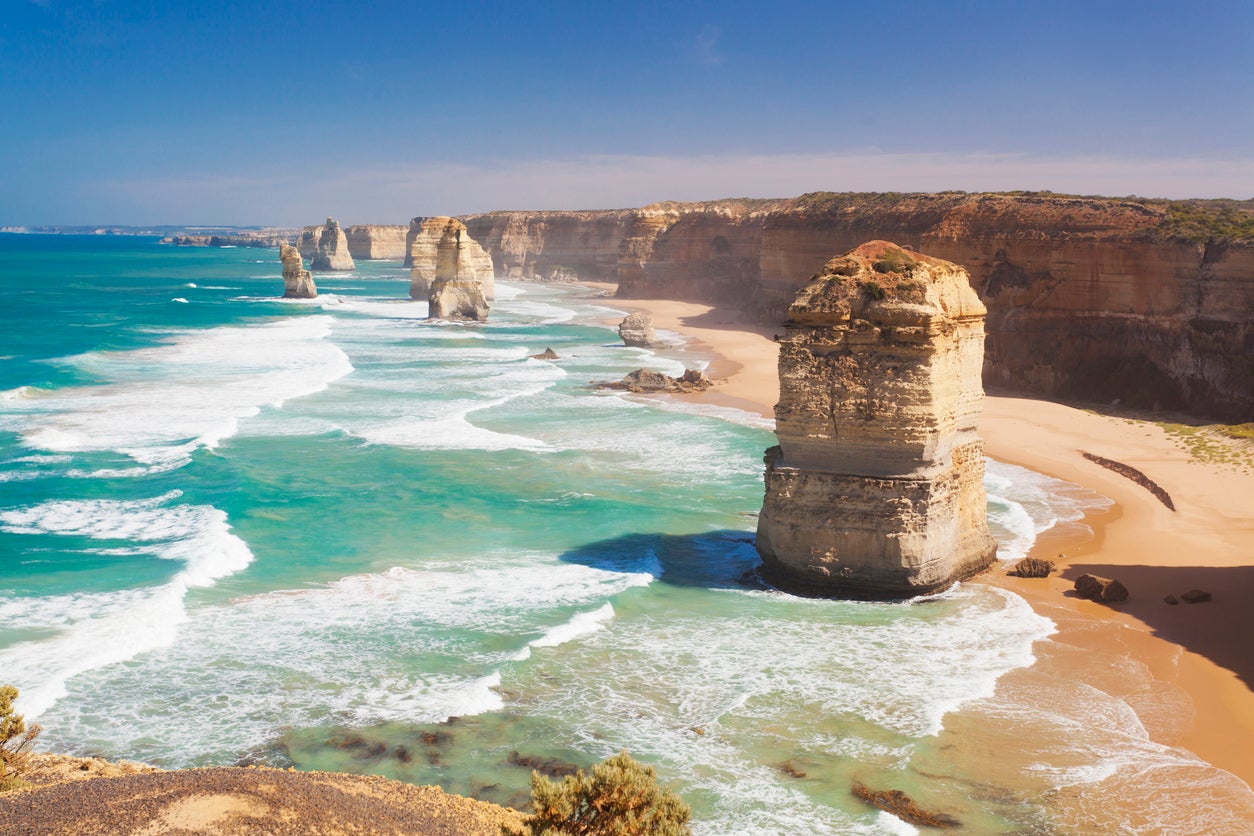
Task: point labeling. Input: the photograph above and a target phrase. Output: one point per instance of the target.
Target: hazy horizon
(185, 114)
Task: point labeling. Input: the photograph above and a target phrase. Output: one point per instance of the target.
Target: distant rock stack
(637, 330)
(456, 291)
(332, 251)
(421, 244)
(307, 241)
(297, 281)
(876, 488)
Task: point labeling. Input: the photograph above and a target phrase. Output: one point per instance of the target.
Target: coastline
(1195, 652)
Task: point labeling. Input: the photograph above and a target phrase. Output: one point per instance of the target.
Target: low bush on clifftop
(620, 798)
(16, 739)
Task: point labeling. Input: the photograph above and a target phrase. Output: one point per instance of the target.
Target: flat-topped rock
(876, 488)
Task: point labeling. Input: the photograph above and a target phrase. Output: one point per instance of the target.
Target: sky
(270, 112)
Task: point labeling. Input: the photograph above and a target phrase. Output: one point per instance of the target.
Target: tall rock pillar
(332, 249)
(421, 245)
(876, 488)
(456, 290)
(297, 282)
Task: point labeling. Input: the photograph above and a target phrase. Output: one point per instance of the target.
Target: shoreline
(1197, 650)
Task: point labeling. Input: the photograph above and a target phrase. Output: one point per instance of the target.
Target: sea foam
(98, 630)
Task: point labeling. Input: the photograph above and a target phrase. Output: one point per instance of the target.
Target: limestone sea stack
(637, 330)
(421, 244)
(297, 281)
(876, 488)
(332, 249)
(456, 290)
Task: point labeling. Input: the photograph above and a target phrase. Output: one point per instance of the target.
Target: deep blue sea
(329, 534)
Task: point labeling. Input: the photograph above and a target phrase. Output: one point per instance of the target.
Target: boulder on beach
(1102, 590)
(636, 330)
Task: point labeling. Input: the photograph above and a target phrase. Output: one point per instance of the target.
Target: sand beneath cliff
(1207, 543)
(130, 798)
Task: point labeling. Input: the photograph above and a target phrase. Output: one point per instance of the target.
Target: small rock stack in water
(876, 488)
(297, 282)
(332, 249)
(456, 291)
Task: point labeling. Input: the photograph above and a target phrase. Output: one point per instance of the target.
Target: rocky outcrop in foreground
(876, 488)
(456, 290)
(297, 281)
(332, 249)
(233, 800)
(421, 255)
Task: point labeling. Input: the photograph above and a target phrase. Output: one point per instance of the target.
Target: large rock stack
(876, 488)
(297, 282)
(421, 244)
(332, 249)
(456, 290)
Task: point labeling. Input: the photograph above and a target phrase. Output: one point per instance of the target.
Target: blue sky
(116, 111)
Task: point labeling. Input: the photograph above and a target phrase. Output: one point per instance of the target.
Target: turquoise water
(329, 534)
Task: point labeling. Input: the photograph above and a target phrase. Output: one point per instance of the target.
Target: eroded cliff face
(876, 488)
(1095, 298)
(332, 250)
(553, 246)
(297, 281)
(457, 291)
(422, 243)
(376, 241)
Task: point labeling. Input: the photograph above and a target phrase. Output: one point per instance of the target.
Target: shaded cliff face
(376, 241)
(1088, 297)
(876, 488)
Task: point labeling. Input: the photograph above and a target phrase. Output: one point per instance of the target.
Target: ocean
(328, 534)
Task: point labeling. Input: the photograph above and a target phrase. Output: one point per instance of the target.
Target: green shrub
(15, 741)
(893, 261)
(874, 290)
(620, 798)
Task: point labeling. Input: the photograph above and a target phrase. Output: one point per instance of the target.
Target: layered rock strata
(876, 488)
(298, 283)
(332, 250)
(456, 290)
(422, 242)
(1148, 301)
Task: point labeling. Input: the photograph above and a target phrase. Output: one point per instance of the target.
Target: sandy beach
(1195, 654)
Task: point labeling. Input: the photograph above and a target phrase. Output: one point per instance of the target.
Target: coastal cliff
(553, 246)
(1147, 301)
(876, 488)
(367, 242)
(332, 250)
